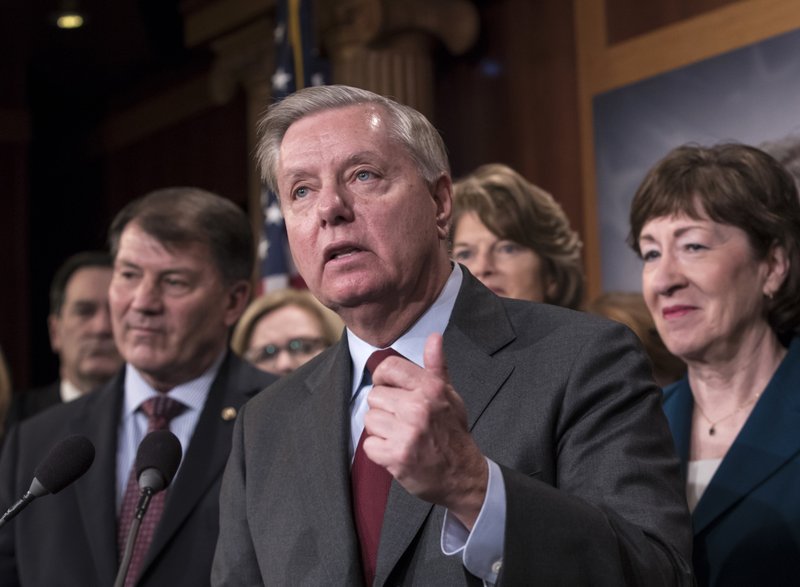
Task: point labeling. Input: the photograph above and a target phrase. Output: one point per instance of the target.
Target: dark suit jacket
(561, 400)
(747, 524)
(70, 538)
(25, 404)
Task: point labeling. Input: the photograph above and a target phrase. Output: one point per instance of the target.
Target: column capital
(358, 23)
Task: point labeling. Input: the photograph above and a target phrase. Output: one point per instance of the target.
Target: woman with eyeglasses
(283, 329)
(515, 238)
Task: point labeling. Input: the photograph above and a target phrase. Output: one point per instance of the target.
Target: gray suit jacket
(70, 538)
(562, 401)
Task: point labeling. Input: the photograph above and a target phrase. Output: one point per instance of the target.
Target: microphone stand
(17, 508)
(145, 496)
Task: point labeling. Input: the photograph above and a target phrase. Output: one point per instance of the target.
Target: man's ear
(443, 197)
(238, 297)
(54, 329)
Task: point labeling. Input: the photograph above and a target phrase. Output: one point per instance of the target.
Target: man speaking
(452, 437)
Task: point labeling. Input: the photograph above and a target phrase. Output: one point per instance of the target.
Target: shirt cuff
(481, 549)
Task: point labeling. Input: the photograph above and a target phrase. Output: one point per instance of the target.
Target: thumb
(433, 356)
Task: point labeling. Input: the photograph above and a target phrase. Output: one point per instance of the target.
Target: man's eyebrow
(126, 263)
(291, 173)
(362, 157)
(165, 271)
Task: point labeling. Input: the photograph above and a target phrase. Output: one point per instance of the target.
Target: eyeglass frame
(296, 347)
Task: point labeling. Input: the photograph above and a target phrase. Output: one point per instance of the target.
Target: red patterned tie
(159, 410)
(370, 484)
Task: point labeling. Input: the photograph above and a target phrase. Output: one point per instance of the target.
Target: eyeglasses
(296, 347)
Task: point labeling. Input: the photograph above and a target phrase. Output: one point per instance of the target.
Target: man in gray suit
(183, 259)
(521, 444)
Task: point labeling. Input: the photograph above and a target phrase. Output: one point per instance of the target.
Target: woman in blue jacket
(718, 230)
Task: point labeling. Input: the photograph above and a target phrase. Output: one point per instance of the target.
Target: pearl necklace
(712, 429)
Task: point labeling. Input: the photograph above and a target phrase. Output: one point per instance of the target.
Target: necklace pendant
(712, 431)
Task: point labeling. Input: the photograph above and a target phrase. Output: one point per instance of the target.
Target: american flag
(297, 65)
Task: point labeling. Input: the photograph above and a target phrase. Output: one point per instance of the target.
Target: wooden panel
(513, 98)
(631, 18)
(14, 291)
(15, 125)
(207, 150)
(208, 20)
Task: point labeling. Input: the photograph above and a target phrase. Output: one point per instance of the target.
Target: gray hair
(406, 126)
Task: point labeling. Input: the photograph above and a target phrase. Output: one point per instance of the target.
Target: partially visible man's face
(81, 332)
(363, 225)
(170, 308)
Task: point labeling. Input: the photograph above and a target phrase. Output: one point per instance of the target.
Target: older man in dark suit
(182, 264)
(510, 443)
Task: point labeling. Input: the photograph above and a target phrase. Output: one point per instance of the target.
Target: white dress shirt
(69, 391)
(481, 549)
(133, 422)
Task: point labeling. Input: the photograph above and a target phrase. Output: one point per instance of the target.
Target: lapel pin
(228, 414)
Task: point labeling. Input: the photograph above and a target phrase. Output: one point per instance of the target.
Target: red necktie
(370, 484)
(159, 410)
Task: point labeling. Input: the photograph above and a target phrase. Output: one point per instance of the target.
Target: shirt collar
(69, 391)
(412, 343)
(192, 393)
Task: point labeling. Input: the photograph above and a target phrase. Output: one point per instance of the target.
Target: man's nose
(101, 320)
(334, 205)
(147, 296)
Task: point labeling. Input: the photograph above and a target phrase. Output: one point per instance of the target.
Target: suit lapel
(767, 441)
(325, 474)
(97, 496)
(208, 451)
(478, 328)
(678, 406)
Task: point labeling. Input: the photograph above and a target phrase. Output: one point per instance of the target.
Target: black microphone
(157, 461)
(66, 461)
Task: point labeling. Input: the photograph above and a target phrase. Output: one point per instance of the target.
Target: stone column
(244, 59)
(387, 45)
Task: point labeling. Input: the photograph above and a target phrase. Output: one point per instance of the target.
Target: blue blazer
(747, 523)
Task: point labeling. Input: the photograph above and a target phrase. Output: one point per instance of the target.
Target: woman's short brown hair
(737, 185)
(515, 209)
(330, 324)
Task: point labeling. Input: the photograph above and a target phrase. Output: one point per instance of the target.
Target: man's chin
(351, 295)
(100, 366)
(145, 359)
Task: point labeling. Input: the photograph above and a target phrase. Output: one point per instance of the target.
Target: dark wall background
(512, 98)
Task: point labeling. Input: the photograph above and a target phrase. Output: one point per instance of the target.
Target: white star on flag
(280, 80)
(280, 31)
(273, 214)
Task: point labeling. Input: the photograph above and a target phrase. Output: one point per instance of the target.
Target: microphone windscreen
(66, 461)
(160, 450)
